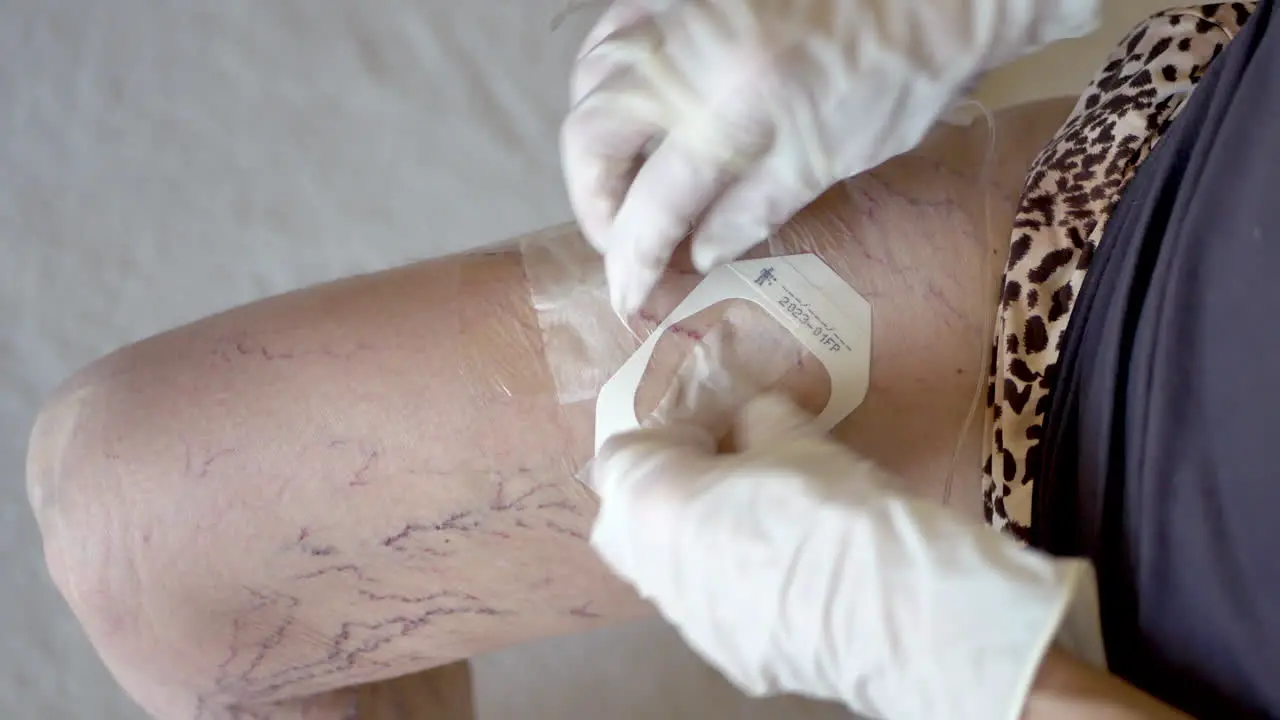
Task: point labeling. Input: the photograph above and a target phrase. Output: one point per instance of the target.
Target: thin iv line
(988, 165)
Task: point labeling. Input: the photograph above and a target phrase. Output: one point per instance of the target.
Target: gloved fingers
(618, 16)
(651, 464)
(746, 215)
(623, 35)
(769, 419)
(602, 141)
(671, 191)
(647, 480)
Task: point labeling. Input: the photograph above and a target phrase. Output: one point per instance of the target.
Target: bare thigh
(322, 489)
(377, 476)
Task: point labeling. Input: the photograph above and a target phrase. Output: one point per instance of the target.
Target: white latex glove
(795, 567)
(732, 115)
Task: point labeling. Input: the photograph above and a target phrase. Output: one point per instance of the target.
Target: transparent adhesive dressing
(799, 291)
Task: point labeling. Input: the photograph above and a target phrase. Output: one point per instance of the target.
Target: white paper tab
(808, 298)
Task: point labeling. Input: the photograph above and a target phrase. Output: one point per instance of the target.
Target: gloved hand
(732, 115)
(793, 566)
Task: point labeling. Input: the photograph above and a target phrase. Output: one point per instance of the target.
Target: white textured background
(161, 160)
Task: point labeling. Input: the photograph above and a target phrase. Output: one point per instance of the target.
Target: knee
(92, 525)
(71, 506)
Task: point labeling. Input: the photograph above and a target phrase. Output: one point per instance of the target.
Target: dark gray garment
(1162, 440)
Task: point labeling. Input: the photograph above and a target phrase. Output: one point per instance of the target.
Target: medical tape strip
(582, 340)
(799, 291)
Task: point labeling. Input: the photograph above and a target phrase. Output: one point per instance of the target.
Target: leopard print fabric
(1066, 201)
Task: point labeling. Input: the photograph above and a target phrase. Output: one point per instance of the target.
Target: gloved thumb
(747, 214)
(768, 419)
(650, 462)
